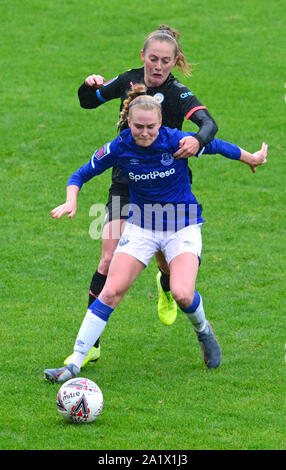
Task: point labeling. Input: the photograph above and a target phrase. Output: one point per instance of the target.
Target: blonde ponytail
(137, 95)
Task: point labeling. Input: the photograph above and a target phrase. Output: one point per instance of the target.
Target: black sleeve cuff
(196, 136)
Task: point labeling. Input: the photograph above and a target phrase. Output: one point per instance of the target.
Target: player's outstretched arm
(254, 159)
(70, 206)
(232, 151)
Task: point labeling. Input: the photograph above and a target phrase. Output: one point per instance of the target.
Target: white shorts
(143, 244)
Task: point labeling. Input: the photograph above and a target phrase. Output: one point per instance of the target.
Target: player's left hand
(95, 81)
(188, 146)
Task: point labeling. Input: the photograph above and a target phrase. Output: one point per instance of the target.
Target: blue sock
(194, 305)
(100, 309)
(195, 313)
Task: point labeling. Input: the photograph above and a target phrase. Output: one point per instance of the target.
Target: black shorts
(117, 206)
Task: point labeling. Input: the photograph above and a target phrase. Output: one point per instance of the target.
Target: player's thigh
(123, 271)
(111, 233)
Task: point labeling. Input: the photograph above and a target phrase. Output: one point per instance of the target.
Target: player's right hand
(95, 81)
(66, 208)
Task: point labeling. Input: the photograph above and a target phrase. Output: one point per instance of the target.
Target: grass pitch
(157, 391)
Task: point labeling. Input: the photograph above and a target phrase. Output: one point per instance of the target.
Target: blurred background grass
(158, 394)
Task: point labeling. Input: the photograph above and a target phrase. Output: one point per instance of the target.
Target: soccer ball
(80, 400)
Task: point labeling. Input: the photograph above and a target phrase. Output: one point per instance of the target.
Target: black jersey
(177, 102)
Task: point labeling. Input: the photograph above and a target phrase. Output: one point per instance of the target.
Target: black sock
(165, 281)
(96, 286)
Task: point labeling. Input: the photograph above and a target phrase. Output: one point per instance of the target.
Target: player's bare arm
(255, 159)
(70, 206)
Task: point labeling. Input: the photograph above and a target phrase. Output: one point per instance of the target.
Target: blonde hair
(138, 96)
(167, 34)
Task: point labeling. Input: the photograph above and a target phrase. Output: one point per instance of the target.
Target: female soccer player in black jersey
(161, 52)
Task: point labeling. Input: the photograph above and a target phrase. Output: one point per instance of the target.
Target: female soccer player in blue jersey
(164, 215)
(161, 52)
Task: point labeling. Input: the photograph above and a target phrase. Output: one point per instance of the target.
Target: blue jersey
(160, 190)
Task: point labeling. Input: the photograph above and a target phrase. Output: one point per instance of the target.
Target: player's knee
(183, 295)
(111, 295)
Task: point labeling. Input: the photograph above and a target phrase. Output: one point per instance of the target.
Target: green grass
(157, 392)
